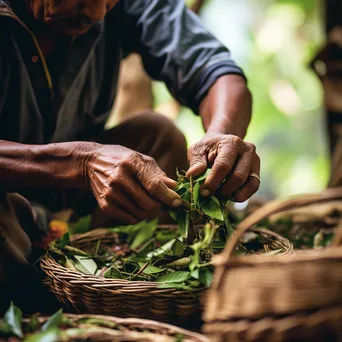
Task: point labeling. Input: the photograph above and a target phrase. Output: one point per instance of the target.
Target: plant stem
(191, 232)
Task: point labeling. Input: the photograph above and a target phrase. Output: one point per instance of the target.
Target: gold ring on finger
(254, 175)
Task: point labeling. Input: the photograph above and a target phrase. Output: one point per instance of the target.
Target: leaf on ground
(205, 276)
(12, 318)
(54, 321)
(85, 265)
(150, 269)
(113, 273)
(174, 277)
(211, 207)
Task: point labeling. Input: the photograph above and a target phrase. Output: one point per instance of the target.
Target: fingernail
(205, 193)
(176, 203)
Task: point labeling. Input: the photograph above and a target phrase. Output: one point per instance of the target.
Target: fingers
(140, 197)
(120, 215)
(198, 162)
(251, 186)
(113, 210)
(154, 180)
(239, 175)
(222, 167)
(121, 200)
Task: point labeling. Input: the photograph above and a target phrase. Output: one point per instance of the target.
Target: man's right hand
(128, 185)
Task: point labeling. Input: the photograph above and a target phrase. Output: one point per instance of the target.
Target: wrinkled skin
(71, 17)
(226, 112)
(128, 185)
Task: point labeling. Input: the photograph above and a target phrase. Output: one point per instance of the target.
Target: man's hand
(231, 160)
(226, 113)
(127, 185)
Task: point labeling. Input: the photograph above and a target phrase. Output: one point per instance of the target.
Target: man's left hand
(232, 161)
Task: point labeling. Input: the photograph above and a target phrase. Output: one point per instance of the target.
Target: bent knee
(159, 125)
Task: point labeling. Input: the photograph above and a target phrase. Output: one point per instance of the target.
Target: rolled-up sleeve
(175, 48)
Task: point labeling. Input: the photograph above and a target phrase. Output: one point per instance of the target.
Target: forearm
(227, 107)
(52, 165)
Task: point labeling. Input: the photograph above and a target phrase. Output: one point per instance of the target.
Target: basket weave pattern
(133, 330)
(98, 295)
(277, 298)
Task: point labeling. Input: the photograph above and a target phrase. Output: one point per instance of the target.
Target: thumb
(198, 165)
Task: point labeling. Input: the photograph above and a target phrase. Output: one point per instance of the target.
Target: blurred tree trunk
(332, 85)
(135, 94)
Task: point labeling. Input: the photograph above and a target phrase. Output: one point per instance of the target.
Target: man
(59, 64)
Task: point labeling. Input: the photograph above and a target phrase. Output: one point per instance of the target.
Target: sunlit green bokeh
(274, 41)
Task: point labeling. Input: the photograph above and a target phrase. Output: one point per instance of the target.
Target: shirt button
(35, 59)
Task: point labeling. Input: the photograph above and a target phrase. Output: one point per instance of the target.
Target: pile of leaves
(308, 227)
(174, 258)
(62, 328)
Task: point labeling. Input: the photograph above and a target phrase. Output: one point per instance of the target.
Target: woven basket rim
(155, 326)
(317, 255)
(47, 262)
(270, 324)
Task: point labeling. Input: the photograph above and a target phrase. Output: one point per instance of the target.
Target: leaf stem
(191, 232)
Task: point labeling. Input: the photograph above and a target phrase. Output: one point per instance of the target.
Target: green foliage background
(274, 41)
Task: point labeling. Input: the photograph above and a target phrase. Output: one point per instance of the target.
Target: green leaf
(85, 265)
(181, 286)
(195, 273)
(194, 260)
(33, 324)
(51, 335)
(174, 277)
(180, 263)
(113, 273)
(80, 227)
(161, 250)
(212, 208)
(182, 219)
(54, 321)
(12, 318)
(205, 276)
(63, 241)
(97, 321)
(203, 177)
(179, 338)
(195, 193)
(178, 248)
(150, 269)
(144, 233)
(4, 328)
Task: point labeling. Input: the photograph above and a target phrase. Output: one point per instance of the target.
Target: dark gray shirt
(174, 46)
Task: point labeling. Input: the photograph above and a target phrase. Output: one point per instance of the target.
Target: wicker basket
(295, 297)
(124, 298)
(123, 330)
